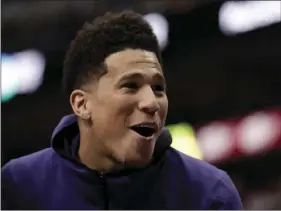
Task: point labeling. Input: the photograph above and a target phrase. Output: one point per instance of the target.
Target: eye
(130, 85)
(158, 88)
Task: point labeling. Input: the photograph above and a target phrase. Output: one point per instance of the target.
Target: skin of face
(133, 91)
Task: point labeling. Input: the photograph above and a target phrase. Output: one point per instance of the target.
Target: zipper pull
(101, 174)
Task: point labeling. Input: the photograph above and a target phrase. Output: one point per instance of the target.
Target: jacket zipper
(105, 196)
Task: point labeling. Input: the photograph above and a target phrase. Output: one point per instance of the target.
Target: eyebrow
(137, 75)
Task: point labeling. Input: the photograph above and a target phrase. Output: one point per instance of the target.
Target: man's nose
(148, 102)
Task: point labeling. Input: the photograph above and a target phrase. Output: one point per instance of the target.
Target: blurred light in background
(258, 132)
(243, 16)
(254, 134)
(160, 27)
(215, 141)
(184, 139)
(22, 73)
(218, 141)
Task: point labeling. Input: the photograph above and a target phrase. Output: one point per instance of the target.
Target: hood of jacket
(65, 140)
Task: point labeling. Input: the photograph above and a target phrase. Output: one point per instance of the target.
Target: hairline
(102, 68)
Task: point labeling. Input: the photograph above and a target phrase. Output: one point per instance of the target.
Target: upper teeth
(144, 125)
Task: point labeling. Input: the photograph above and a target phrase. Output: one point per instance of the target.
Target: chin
(138, 154)
(139, 160)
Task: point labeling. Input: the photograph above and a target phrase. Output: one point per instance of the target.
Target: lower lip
(143, 137)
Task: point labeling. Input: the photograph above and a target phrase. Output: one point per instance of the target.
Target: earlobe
(85, 116)
(78, 101)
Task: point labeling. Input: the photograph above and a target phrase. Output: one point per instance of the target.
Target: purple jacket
(54, 179)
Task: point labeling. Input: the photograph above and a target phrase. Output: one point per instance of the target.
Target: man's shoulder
(197, 174)
(24, 179)
(205, 180)
(29, 162)
(195, 167)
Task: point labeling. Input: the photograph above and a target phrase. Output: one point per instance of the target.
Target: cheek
(124, 105)
(163, 108)
(114, 110)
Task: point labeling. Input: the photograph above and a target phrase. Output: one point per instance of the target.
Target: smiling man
(113, 152)
(122, 115)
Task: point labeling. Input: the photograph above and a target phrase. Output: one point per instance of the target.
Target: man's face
(129, 106)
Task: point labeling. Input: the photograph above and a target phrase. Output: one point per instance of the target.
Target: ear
(80, 104)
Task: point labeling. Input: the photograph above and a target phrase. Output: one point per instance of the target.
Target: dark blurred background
(221, 60)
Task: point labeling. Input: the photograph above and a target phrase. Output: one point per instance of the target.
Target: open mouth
(145, 131)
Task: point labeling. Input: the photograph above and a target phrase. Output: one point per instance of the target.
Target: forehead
(130, 59)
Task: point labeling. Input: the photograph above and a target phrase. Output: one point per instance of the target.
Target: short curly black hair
(107, 34)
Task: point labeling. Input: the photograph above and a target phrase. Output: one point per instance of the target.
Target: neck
(93, 156)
